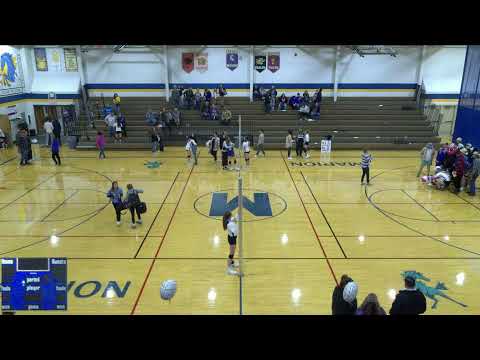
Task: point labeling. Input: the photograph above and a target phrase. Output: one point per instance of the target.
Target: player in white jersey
(246, 150)
(229, 224)
(306, 143)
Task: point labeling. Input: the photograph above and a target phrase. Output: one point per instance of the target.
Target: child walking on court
(246, 150)
(230, 225)
(101, 145)
(133, 203)
(56, 151)
(366, 160)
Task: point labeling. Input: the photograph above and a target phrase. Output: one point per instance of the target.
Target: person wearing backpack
(133, 204)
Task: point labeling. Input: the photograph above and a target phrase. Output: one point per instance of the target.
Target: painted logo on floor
(152, 164)
(325, 163)
(428, 291)
(257, 205)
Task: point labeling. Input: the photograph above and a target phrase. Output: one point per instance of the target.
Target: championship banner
(274, 61)
(41, 59)
(232, 59)
(201, 62)
(187, 62)
(70, 56)
(260, 62)
(54, 59)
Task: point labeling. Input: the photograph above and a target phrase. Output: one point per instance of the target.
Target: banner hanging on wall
(260, 62)
(187, 62)
(41, 59)
(274, 61)
(201, 62)
(54, 60)
(11, 76)
(232, 59)
(70, 55)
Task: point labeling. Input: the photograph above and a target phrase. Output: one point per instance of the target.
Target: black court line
(7, 161)
(423, 207)
(28, 191)
(156, 215)
(81, 203)
(382, 203)
(59, 205)
(468, 202)
(11, 172)
(323, 214)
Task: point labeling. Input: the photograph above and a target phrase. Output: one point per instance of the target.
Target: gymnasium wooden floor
(323, 224)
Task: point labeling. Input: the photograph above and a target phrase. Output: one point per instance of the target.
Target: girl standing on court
(101, 145)
(230, 225)
(225, 154)
(56, 151)
(289, 143)
(300, 141)
(246, 150)
(306, 143)
(187, 148)
(366, 160)
(133, 202)
(115, 194)
(426, 155)
(231, 152)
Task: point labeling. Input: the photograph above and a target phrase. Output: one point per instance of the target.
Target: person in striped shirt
(365, 164)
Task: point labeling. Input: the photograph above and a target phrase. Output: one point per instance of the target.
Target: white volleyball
(168, 289)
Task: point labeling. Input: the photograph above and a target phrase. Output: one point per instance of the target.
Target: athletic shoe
(133, 226)
(139, 222)
(118, 223)
(236, 264)
(289, 158)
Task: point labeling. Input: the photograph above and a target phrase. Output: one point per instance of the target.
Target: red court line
(160, 246)
(311, 222)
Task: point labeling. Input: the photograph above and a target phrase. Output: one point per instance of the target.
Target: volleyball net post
(240, 199)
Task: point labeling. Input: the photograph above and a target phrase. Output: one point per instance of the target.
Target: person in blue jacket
(441, 155)
(115, 194)
(56, 151)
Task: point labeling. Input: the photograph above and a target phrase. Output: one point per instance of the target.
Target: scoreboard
(34, 284)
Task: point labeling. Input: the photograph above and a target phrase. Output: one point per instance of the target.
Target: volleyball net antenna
(240, 199)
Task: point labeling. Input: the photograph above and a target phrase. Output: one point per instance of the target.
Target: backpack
(142, 208)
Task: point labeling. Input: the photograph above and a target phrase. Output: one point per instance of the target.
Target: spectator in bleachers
(166, 119)
(273, 92)
(315, 111)
(207, 94)
(116, 103)
(370, 306)
(226, 116)
(151, 117)
(198, 99)
(306, 97)
(256, 93)
(175, 96)
(176, 117)
(304, 111)
(282, 103)
(263, 92)
(111, 121)
(294, 102)
(205, 113)
(318, 96)
(222, 92)
(214, 112)
(267, 102)
(344, 298)
(410, 301)
(123, 125)
(189, 98)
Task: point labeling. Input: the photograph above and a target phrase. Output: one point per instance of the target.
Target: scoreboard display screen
(34, 284)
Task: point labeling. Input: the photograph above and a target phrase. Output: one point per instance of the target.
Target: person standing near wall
(289, 144)
(475, 172)
(299, 143)
(261, 143)
(48, 127)
(23, 146)
(56, 151)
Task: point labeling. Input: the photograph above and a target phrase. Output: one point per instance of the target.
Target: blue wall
(467, 125)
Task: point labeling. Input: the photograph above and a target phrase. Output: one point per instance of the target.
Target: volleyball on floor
(168, 289)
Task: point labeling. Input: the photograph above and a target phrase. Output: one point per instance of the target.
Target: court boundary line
(156, 215)
(323, 214)
(468, 202)
(132, 312)
(7, 161)
(279, 258)
(424, 208)
(310, 220)
(59, 205)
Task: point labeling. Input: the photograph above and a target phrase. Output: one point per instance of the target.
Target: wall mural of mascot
(8, 69)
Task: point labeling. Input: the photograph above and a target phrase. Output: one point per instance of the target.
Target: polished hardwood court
(323, 224)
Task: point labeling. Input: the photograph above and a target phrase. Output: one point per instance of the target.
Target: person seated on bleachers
(304, 111)
(167, 117)
(256, 93)
(176, 117)
(214, 112)
(318, 96)
(198, 99)
(189, 98)
(222, 92)
(226, 116)
(282, 103)
(175, 96)
(315, 112)
(151, 117)
(207, 94)
(263, 92)
(205, 113)
(273, 98)
(294, 102)
(306, 97)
